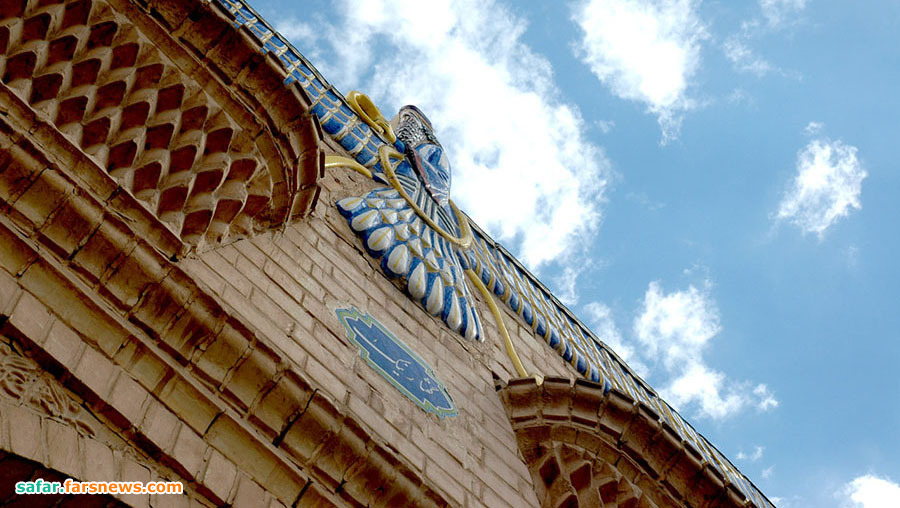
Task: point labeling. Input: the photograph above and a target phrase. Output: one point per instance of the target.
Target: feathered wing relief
(408, 249)
(412, 229)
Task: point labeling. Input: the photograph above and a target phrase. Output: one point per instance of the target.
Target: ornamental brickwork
(200, 283)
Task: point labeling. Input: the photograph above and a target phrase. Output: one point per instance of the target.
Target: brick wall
(287, 285)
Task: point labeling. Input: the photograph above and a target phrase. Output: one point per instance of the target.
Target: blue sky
(712, 186)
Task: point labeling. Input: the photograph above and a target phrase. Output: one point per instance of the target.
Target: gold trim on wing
(337, 161)
(369, 113)
(498, 318)
(464, 241)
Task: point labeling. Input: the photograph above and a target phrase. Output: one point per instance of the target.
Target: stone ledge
(566, 430)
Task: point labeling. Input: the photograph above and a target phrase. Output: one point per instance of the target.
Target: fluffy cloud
(565, 285)
(869, 491)
(827, 186)
(745, 59)
(675, 329)
(777, 12)
(523, 168)
(600, 319)
(645, 51)
(753, 456)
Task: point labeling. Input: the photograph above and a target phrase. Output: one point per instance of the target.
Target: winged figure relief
(413, 229)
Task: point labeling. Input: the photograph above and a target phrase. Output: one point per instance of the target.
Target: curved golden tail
(498, 318)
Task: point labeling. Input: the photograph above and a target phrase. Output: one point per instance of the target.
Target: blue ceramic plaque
(394, 360)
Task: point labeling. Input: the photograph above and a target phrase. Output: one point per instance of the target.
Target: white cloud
(753, 456)
(523, 168)
(566, 285)
(767, 472)
(600, 319)
(766, 400)
(675, 329)
(870, 491)
(813, 128)
(644, 50)
(295, 29)
(827, 186)
(745, 59)
(777, 12)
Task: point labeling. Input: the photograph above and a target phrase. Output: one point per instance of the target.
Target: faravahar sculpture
(411, 226)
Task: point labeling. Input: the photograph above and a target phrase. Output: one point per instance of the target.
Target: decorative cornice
(577, 434)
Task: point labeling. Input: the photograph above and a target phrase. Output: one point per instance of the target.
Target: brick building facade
(176, 283)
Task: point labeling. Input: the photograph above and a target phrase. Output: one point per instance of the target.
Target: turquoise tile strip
(498, 269)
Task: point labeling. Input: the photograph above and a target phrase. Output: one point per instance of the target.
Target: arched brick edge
(171, 103)
(586, 447)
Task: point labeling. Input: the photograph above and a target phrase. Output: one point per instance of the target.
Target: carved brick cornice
(171, 103)
(97, 267)
(24, 382)
(586, 446)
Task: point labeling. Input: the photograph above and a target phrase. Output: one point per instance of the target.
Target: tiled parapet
(588, 445)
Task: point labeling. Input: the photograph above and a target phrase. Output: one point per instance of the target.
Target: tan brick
(251, 252)
(315, 497)
(286, 292)
(311, 286)
(71, 224)
(96, 372)
(252, 316)
(110, 241)
(43, 197)
(445, 483)
(131, 471)
(170, 501)
(31, 318)
(159, 425)
(272, 312)
(223, 353)
(325, 379)
(196, 325)
(253, 272)
(249, 493)
(9, 292)
(128, 397)
(201, 272)
(254, 456)
(64, 345)
(99, 460)
(256, 372)
(62, 448)
(25, 433)
(220, 266)
(284, 401)
(188, 403)
(72, 306)
(297, 259)
(220, 476)
(318, 423)
(508, 472)
(340, 452)
(302, 236)
(189, 451)
(364, 413)
(143, 365)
